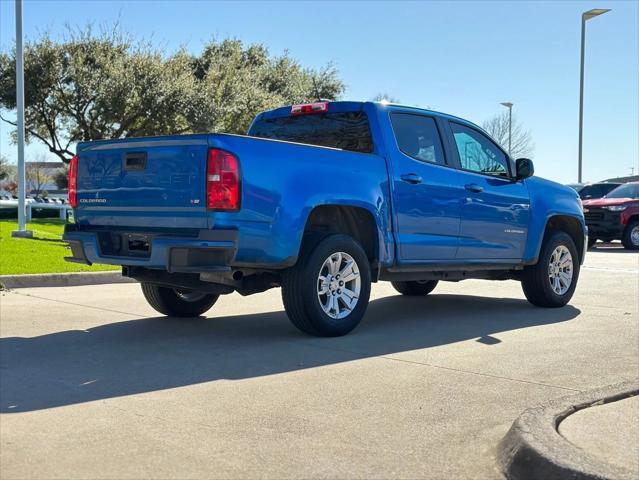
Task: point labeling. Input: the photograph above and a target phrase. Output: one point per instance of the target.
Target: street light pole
(509, 105)
(22, 231)
(595, 12)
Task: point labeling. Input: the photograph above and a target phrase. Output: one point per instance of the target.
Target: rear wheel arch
(354, 221)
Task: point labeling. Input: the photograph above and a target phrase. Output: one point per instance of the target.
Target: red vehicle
(615, 216)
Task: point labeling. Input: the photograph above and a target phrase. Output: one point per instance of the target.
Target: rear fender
(283, 182)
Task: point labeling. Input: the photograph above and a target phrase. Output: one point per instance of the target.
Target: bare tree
(522, 144)
(5, 168)
(38, 175)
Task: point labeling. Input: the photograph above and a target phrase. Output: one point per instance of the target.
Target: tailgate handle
(135, 161)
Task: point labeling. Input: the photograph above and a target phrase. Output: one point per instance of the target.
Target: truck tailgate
(143, 182)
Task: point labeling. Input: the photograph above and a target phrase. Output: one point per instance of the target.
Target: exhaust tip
(238, 275)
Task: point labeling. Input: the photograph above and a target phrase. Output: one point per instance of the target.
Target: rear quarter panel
(281, 184)
(548, 199)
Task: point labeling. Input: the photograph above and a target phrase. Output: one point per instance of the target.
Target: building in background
(629, 178)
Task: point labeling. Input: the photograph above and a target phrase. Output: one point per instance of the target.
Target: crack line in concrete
(470, 372)
(78, 304)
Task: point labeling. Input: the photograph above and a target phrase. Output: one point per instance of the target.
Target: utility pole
(22, 230)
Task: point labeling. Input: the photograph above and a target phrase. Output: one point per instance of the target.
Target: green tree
(385, 97)
(234, 83)
(61, 178)
(93, 85)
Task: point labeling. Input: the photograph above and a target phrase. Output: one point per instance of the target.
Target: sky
(458, 57)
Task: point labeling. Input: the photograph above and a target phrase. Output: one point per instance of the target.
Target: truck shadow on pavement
(145, 355)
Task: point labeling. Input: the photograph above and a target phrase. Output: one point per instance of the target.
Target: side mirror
(524, 168)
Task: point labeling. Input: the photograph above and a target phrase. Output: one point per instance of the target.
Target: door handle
(473, 187)
(412, 178)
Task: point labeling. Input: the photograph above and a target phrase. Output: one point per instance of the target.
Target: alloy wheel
(560, 270)
(338, 285)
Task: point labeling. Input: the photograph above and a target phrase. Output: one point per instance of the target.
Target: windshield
(629, 190)
(597, 190)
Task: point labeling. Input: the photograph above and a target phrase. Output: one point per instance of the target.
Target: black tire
(415, 288)
(300, 288)
(535, 279)
(175, 303)
(626, 239)
(591, 242)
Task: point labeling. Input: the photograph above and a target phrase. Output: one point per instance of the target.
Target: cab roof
(355, 106)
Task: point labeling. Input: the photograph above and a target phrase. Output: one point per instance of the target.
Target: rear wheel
(630, 237)
(415, 288)
(178, 302)
(326, 293)
(551, 282)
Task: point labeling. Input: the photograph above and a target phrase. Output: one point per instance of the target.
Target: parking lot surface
(94, 384)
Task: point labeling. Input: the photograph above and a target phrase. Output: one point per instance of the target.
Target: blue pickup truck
(321, 200)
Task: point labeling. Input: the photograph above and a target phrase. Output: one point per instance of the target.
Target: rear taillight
(73, 181)
(222, 181)
(308, 108)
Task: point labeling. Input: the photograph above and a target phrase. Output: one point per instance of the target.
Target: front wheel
(415, 288)
(551, 282)
(630, 239)
(326, 293)
(176, 302)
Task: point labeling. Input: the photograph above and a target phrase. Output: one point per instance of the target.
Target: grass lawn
(43, 254)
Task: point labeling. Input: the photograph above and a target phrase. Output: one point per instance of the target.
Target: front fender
(549, 199)
(629, 213)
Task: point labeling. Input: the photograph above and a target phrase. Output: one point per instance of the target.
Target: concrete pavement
(95, 385)
(609, 432)
(545, 441)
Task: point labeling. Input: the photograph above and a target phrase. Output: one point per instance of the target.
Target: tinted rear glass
(345, 130)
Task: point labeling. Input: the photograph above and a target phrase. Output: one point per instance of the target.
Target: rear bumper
(209, 251)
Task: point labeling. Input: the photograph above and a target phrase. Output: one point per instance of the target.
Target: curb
(533, 448)
(62, 279)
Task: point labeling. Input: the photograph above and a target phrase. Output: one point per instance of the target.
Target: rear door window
(417, 136)
(343, 130)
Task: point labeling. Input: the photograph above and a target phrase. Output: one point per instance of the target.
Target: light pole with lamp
(595, 12)
(509, 106)
(22, 230)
